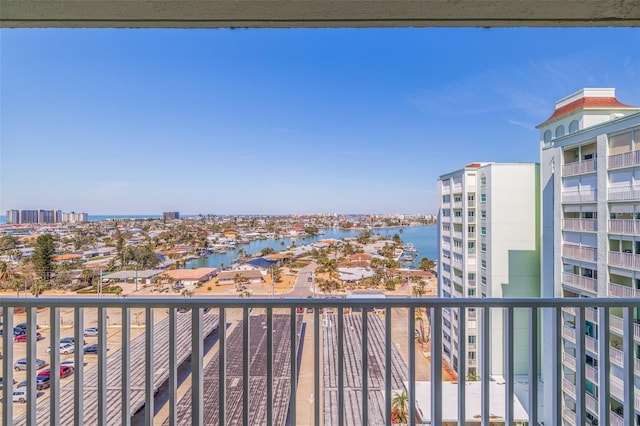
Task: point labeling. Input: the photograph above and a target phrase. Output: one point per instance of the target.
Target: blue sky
(281, 121)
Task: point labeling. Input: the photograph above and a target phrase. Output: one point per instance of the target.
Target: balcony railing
(619, 290)
(625, 159)
(627, 193)
(624, 260)
(471, 203)
(583, 196)
(589, 254)
(579, 167)
(624, 226)
(583, 225)
(247, 362)
(578, 281)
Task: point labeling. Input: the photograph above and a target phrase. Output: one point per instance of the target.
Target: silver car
(21, 364)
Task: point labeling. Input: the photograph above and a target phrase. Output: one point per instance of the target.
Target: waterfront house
(144, 276)
(228, 277)
(191, 277)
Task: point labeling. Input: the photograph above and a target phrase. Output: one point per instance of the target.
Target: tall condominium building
(13, 217)
(590, 180)
(171, 215)
(29, 216)
(488, 247)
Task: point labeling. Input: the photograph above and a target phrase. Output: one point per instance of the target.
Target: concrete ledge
(317, 13)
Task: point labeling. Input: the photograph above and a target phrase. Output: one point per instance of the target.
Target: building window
(483, 197)
(573, 126)
(547, 136)
(483, 230)
(457, 199)
(483, 247)
(483, 180)
(483, 214)
(471, 197)
(472, 292)
(483, 280)
(483, 264)
(559, 131)
(457, 213)
(471, 229)
(471, 276)
(471, 213)
(471, 339)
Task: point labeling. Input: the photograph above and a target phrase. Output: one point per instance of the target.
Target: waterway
(424, 238)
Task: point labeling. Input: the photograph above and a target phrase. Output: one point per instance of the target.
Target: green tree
(400, 407)
(276, 273)
(364, 237)
(426, 264)
(6, 274)
(17, 283)
(43, 256)
(8, 242)
(38, 287)
(311, 230)
(239, 280)
(266, 251)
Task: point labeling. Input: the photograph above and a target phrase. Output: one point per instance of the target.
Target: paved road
(303, 287)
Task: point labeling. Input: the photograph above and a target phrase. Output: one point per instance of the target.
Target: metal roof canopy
(317, 13)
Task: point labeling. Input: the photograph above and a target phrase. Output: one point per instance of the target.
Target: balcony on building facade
(445, 245)
(579, 167)
(580, 225)
(624, 226)
(590, 254)
(580, 282)
(457, 204)
(624, 193)
(471, 219)
(471, 235)
(582, 196)
(624, 260)
(131, 377)
(624, 160)
(457, 219)
(471, 203)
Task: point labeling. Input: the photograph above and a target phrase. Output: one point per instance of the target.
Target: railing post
(508, 364)
(197, 353)
(628, 347)
(269, 366)
(31, 365)
(54, 344)
(149, 368)
(340, 367)
(7, 366)
(246, 347)
(462, 367)
(412, 366)
(173, 368)
(222, 366)
(604, 367)
(102, 365)
(436, 365)
(126, 361)
(316, 364)
(387, 366)
(485, 362)
(580, 360)
(533, 366)
(78, 380)
(294, 365)
(365, 368)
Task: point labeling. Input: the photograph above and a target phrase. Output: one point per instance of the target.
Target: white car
(19, 395)
(65, 348)
(91, 331)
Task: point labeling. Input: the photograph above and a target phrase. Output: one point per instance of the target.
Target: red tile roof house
(191, 277)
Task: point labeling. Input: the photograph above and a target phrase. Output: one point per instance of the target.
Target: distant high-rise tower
(171, 215)
(13, 217)
(488, 247)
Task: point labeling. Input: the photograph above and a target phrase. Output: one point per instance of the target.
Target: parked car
(65, 371)
(23, 325)
(91, 349)
(42, 382)
(91, 331)
(21, 364)
(23, 337)
(2, 383)
(300, 310)
(65, 348)
(71, 340)
(70, 362)
(19, 395)
(310, 309)
(16, 331)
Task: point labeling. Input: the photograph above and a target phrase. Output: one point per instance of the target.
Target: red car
(65, 371)
(23, 337)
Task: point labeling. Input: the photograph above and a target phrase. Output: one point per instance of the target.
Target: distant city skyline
(281, 121)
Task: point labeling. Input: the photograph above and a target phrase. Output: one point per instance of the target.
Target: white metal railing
(579, 196)
(471, 203)
(624, 226)
(589, 254)
(457, 219)
(578, 281)
(445, 245)
(619, 290)
(625, 260)
(580, 224)
(624, 159)
(125, 380)
(579, 167)
(446, 189)
(471, 219)
(471, 234)
(626, 193)
(457, 235)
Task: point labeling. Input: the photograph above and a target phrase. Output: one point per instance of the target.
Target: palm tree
(6, 273)
(38, 287)
(400, 407)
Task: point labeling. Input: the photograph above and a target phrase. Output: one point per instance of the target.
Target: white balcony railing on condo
(125, 378)
(624, 159)
(471, 203)
(624, 260)
(579, 167)
(471, 235)
(625, 193)
(457, 204)
(624, 226)
(584, 225)
(619, 290)
(578, 281)
(583, 196)
(457, 219)
(471, 219)
(457, 234)
(445, 245)
(573, 251)
(446, 189)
